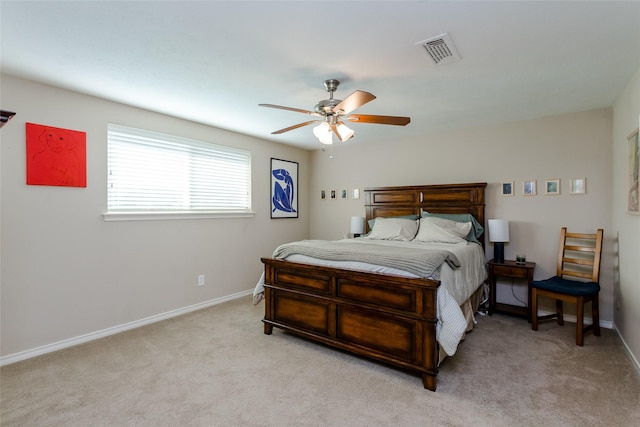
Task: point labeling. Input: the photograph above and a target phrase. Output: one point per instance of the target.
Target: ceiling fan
(333, 113)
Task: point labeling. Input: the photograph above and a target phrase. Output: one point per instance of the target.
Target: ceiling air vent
(440, 49)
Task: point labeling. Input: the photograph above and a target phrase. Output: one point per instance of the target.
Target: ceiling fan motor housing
(325, 107)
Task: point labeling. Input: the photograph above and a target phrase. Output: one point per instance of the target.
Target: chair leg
(559, 311)
(580, 322)
(534, 309)
(595, 314)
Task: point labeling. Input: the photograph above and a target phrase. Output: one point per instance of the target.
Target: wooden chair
(576, 281)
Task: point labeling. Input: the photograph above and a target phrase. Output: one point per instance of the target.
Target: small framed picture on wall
(529, 188)
(552, 187)
(578, 186)
(506, 188)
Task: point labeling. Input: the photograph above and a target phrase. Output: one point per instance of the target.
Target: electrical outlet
(201, 280)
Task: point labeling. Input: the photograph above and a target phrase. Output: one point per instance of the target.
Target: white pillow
(394, 229)
(442, 230)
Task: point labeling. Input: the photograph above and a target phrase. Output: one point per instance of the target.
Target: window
(154, 173)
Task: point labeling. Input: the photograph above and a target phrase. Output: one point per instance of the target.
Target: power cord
(524, 304)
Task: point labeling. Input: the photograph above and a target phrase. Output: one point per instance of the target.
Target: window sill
(150, 216)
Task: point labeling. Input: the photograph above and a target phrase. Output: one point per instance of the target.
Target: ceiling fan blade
(299, 125)
(297, 110)
(383, 120)
(353, 101)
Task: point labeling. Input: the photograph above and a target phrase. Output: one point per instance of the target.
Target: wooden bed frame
(390, 319)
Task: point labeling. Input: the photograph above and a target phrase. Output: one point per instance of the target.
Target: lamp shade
(343, 132)
(357, 225)
(498, 230)
(323, 133)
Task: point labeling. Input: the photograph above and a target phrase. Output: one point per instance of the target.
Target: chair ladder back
(593, 261)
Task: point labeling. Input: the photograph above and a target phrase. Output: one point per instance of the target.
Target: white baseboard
(38, 351)
(607, 325)
(628, 350)
(573, 319)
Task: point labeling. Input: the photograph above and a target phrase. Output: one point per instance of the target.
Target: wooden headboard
(414, 199)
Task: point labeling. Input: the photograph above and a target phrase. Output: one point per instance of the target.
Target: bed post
(268, 300)
(429, 381)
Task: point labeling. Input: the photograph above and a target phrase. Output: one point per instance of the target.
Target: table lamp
(498, 235)
(357, 226)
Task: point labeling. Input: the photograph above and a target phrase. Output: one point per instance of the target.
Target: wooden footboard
(390, 319)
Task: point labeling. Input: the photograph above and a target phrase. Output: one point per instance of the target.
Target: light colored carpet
(215, 367)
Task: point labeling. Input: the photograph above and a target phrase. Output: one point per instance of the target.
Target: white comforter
(455, 288)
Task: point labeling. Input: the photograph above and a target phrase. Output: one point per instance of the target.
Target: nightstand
(514, 270)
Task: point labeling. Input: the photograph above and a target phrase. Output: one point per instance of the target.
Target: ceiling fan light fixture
(323, 133)
(343, 132)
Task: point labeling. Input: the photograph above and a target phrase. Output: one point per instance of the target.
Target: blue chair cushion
(567, 287)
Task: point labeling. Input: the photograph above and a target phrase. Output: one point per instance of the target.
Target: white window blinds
(154, 172)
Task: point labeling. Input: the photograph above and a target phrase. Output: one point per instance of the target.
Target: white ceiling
(214, 61)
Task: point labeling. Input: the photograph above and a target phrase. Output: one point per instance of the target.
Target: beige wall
(626, 113)
(562, 147)
(66, 272)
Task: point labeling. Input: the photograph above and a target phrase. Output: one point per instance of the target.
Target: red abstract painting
(56, 156)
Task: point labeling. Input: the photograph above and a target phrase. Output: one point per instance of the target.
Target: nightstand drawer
(505, 270)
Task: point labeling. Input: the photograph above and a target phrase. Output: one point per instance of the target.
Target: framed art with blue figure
(284, 189)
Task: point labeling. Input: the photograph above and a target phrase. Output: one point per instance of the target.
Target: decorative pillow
(393, 229)
(441, 230)
(371, 222)
(476, 228)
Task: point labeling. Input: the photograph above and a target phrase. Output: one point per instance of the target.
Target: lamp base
(498, 251)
